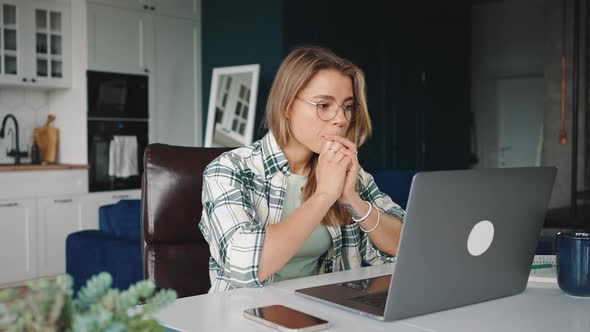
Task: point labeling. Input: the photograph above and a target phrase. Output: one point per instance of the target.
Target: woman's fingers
(346, 161)
(347, 152)
(343, 141)
(331, 148)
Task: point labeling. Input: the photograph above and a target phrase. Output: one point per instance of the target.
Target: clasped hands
(337, 169)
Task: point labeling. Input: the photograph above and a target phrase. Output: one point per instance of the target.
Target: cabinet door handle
(146, 70)
(24, 79)
(120, 196)
(33, 80)
(146, 7)
(153, 8)
(6, 205)
(65, 200)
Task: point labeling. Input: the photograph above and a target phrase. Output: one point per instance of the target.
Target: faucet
(15, 152)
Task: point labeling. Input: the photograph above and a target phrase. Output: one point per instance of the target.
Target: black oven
(100, 138)
(116, 95)
(117, 130)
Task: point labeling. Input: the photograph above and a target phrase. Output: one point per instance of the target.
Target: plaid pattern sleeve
(369, 191)
(229, 224)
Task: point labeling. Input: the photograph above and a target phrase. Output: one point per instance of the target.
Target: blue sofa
(396, 184)
(115, 247)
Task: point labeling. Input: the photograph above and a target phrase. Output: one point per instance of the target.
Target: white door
(119, 40)
(58, 217)
(520, 121)
(18, 240)
(175, 112)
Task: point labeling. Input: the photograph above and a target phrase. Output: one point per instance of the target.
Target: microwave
(117, 95)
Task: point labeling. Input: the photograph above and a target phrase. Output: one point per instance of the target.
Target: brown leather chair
(175, 254)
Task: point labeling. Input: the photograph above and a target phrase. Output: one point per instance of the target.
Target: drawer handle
(67, 200)
(120, 196)
(5, 205)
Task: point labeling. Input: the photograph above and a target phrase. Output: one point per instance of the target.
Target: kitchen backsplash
(30, 107)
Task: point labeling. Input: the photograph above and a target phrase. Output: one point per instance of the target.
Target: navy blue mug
(573, 263)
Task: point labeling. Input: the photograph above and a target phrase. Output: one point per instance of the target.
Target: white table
(541, 307)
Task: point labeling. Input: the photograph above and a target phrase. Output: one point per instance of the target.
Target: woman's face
(306, 127)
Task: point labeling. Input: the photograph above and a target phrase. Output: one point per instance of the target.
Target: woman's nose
(340, 118)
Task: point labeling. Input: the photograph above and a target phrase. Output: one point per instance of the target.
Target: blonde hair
(295, 71)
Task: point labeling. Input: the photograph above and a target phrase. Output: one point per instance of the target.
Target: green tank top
(305, 261)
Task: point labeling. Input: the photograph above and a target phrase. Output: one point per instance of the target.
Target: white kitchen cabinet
(165, 48)
(36, 44)
(38, 209)
(119, 40)
(93, 201)
(11, 37)
(52, 34)
(131, 4)
(176, 89)
(189, 9)
(57, 218)
(18, 225)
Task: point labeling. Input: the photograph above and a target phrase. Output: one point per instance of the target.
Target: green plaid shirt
(244, 191)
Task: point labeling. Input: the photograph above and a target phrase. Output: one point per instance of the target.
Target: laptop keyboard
(362, 284)
(374, 299)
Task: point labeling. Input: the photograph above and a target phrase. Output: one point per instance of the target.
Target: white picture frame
(232, 106)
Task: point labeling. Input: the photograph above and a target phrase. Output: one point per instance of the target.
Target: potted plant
(49, 305)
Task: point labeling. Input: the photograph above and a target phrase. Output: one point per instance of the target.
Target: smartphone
(286, 319)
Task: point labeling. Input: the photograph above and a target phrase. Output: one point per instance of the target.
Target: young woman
(297, 203)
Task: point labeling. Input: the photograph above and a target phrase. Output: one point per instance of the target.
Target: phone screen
(285, 317)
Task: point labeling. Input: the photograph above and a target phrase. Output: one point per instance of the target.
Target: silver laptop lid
(469, 236)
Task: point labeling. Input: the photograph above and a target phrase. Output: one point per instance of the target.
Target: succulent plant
(49, 306)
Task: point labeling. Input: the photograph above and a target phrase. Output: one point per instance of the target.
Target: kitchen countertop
(31, 167)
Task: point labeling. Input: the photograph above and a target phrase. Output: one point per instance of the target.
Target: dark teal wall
(238, 33)
(419, 124)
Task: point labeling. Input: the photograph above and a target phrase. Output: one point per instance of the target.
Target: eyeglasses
(328, 109)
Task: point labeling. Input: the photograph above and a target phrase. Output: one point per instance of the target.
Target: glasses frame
(317, 110)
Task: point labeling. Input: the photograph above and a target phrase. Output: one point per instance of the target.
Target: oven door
(112, 95)
(100, 136)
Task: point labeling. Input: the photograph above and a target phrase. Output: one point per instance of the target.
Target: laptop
(469, 236)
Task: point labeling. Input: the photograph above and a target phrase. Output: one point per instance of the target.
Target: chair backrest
(122, 219)
(175, 254)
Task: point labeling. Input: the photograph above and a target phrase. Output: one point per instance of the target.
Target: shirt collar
(273, 156)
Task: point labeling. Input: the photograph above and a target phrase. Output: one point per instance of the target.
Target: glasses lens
(349, 109)
(327, 109)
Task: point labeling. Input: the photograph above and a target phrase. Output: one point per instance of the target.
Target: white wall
(30, 108)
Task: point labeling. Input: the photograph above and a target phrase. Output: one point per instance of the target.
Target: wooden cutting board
(46, 139)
